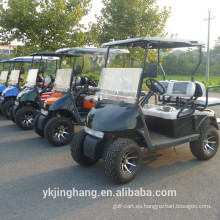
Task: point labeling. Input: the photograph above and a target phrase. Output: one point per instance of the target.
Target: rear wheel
(122, 160)
(207, 144)
(35, 125)
(77, 150)
(7, 107)
(24, 117)
(59, 131)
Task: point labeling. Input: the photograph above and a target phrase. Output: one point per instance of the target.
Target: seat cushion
(211, 101)
(161, 111)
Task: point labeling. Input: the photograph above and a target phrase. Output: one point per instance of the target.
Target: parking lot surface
(29, 166)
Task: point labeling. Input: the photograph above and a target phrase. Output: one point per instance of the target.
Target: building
(7, 49)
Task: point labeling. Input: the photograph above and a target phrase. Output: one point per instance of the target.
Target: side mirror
(152, 71)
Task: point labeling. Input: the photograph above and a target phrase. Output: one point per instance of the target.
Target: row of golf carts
(127, 110)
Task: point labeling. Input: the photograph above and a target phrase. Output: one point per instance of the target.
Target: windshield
(62, 81)
(119, 84)
(3, 77)
(14, 77)
(32, 77)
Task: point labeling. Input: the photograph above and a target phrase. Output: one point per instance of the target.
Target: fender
(109, 117)
(63, 103)
(28, 95)
(2, 88)
(209, 118)
(10, 91)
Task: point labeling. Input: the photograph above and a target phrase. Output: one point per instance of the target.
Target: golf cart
(4, 75)
(58, 119)
(13, 88)
(30, 100)
(123, 121)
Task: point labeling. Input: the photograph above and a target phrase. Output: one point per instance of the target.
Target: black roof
(155, 42)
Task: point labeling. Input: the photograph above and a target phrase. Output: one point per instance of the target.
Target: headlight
(16, 103)
(97, 134)
(2, 98)
(44, 112)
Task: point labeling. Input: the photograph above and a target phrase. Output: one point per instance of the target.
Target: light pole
(208, 40)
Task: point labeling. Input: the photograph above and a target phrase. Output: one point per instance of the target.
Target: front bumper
(1, 103)
(14, 110)
(42, 121)
(93, 147)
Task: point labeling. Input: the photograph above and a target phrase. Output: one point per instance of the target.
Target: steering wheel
(155, 86)
(90, 81)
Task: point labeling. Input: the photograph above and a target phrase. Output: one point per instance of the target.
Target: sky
(187, 18)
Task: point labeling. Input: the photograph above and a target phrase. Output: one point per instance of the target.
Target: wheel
(59, 131)
(11, 115)
(207, 145)
(24, 117)
(6, 107)
(77, 150)
(122, 160)
(35, 125)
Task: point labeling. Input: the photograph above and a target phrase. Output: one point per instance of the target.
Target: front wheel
(35, 125)
(59, 131)
(24, 117)
(7, 107)
(77, 150)
(11, 115)
(207, 144)
(122, 160)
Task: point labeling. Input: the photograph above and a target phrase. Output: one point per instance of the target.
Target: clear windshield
(31, 77)
(3, 77)
(119, 84)
(62, 80)
(14, 77)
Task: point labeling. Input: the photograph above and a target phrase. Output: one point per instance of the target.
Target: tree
(42, 24)
(122, 19)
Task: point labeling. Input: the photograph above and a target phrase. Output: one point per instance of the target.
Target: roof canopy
(82, 51)
(155, 43)
(33, 58)
(47, 54)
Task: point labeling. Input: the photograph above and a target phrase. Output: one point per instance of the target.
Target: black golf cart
(124, 120)
(30, 100)
(58, 119)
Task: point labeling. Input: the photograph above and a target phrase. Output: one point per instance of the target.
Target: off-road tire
(20, 117)
(35, 125)
(199, 149)
(11, 115)
(114, 159)
(51, 127)
(77, 150)
(6, 107)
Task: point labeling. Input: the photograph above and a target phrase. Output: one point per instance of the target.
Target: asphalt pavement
(29, 166)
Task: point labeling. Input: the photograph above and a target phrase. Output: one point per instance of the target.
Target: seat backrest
(200, 89)
(78, 70)
(181, 89)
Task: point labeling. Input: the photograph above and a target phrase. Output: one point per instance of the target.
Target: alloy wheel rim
(210, 144)
(129, 162)
(28, 119)
(61, 132)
